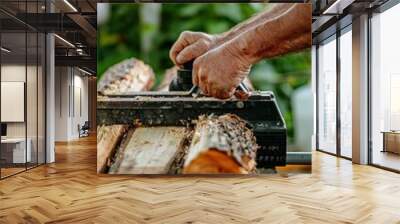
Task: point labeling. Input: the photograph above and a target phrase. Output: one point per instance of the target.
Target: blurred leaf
(231, 11)
(189, 10)
(217, 27)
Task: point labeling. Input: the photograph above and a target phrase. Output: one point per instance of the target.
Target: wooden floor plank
(71, 191)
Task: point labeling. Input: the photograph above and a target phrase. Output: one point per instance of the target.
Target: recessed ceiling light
(84, 71)
(337, 7)
(64, 40)
(5, 50)
(70, 5)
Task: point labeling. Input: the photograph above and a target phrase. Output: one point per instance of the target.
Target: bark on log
(221, 145)
(108, 137)
(126, 76)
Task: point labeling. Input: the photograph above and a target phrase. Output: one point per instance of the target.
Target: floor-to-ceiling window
(345, 59)
(385, 88)
(334, 71)
(327, 95)
(22, 94)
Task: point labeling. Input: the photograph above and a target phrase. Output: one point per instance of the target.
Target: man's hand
(191, 45)
(219, 71)
(221, 62)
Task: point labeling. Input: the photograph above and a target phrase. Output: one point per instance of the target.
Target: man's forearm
(250, 23)
(287, 32)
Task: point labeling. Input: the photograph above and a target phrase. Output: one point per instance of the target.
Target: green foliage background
(120, 38)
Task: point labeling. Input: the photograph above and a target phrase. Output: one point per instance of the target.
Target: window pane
(327, 96)
(15, 151)
(386, 88)
(345, 94)
(31, 97)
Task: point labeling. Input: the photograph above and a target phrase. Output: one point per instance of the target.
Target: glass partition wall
(334, 104)
(22, 95)
(385, 89)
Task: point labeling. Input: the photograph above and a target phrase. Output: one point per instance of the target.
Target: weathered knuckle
(204, 44)
(186, 34)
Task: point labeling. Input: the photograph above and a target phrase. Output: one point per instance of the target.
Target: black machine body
(180, 107)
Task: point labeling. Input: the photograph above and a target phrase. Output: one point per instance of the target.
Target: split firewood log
(127, 76)
(149, 150)
(221, 144)
(108, 137)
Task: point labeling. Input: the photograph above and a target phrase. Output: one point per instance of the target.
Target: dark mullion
(26, 86)
(37, 90)
(369, 90)
(317, 96)
(73, 92)
(45, 89)
(338, 98)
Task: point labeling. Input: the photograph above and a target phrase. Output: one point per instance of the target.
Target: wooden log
(150, 150)
(129, 75)
(221, 144)
(108, 137)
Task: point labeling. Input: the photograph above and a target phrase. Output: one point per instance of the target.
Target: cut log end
(221, 145)
(213, 161)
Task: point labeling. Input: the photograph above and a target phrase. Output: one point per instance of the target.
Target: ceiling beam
(77, 61)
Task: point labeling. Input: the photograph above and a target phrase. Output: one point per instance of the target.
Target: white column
(360, 90)
(50, 100)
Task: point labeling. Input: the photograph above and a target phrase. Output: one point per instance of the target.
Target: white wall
(14, 73)
(33, 126)
(71, 94)
(61, 103)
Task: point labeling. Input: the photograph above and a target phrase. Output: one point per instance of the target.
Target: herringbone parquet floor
(70, 191)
